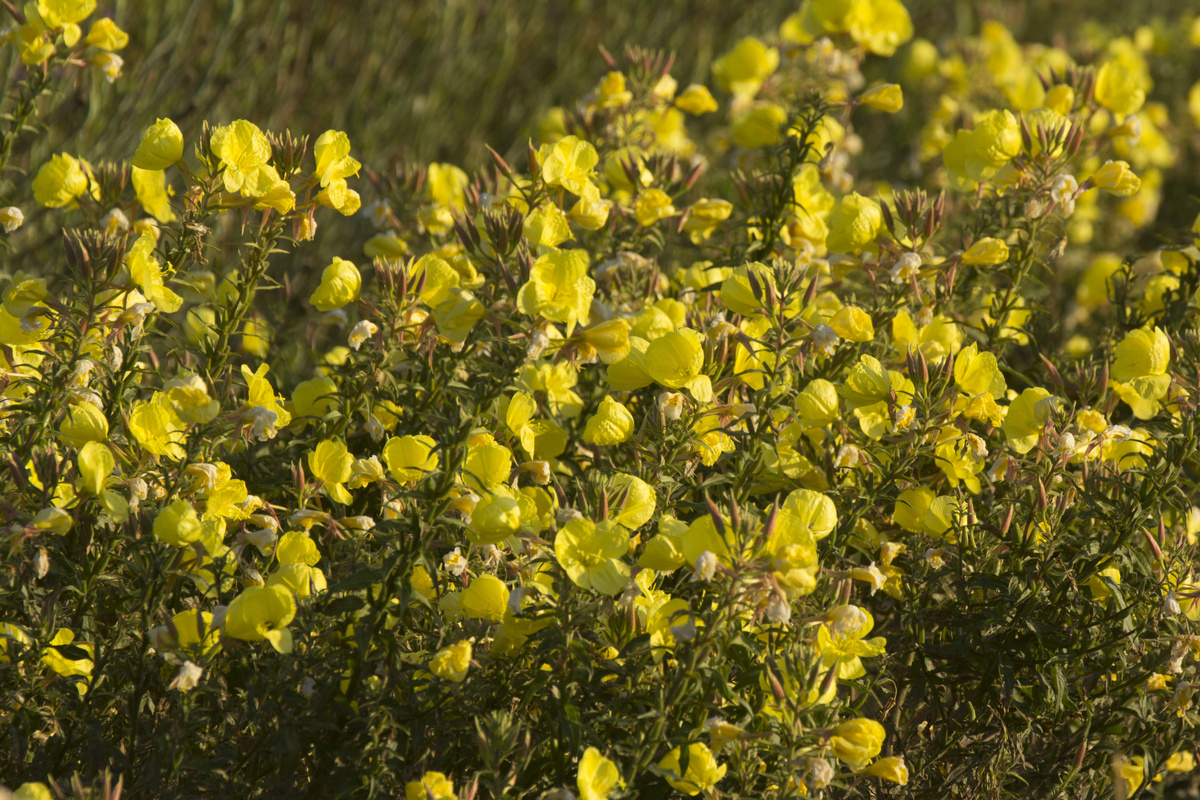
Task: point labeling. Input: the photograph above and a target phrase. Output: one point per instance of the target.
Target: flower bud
(1116, 178)
(886, 97)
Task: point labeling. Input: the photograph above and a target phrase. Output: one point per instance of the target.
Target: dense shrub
(784, 434)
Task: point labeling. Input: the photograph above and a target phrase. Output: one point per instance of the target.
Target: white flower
(906, 267)
(706, 566)
(820, 773)
(904, 417)
(263, 423)
(1034, 208)
(378, 212)
(888, 551)
(308, 688)
(825, 340)
(538, 342)
(207, 476)
(188, 676)
(847, 456)
(263, 539)
(114, 221)
(41, 563)
(671, 405)
(108, 63)
(11, 218)
(1171, 605)
(935, 558)
(538, 470)
(374, 428)
(778, 609)
(359, 523)
(977, 446)
(1063, 193)
(454, 562)
(337, 316)
(361, 332)
(1118, 433)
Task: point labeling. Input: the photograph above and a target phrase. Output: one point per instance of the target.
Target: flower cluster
(681, 453)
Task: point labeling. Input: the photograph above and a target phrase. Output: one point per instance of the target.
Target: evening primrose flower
(410, 458)
(857, 741)
(590, 553)
(433, 785)
(177, 524)
(161, 146)
(742, 70)
(854, 224)
(569, 163)
(69, 667)
(59, 181)
(986, 252)
(451, 663)
(106, 35)
(1139, 370)
(11, 218)
(611, 424)
(340, 285)
(559, 289)
(696, 99)
(32, 791)
(1115, 177)
(891, 768)
(596, 776)
(262, 612)
(243, 150)
(887, 97)
(84, 423)
(702, 774)
(331, 463)
(153, 193)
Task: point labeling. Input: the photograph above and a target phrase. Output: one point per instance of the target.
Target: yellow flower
(161, 146)
(177, 524)
(1026, 418)
(452, 663)
(96, 464)
(334, 164)
(331, 463)
(1099, 586)
(61, 13)
(857, 741)
(156, 428)
(705, 217)
(32, 791)
(738, 293)
(986, 252)
(433, 785)
(297, 547)
(147, 273)
(742, 70)
(262, 612)
(107, 36)
(410, 458)
(59, 181)
(1115, 177)
(1139, 370)
(597, 776)
(854, 224)
(978, 373)
(702, 774)
(70, 667)
(696, 99)
(638, 503)
(559, 288)
(891, 768)
(590, 553)
(1119, 88)
(611, 424)
(651, 206)
(611, 91)
(153, 193)
(485, 598)
(852, 323)
(888, 97)
(758, 126)
(610, 339)
(569, 163)
(457, 314)
(84, 423)
(340, 285)
(591, 215)
(244, 151)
